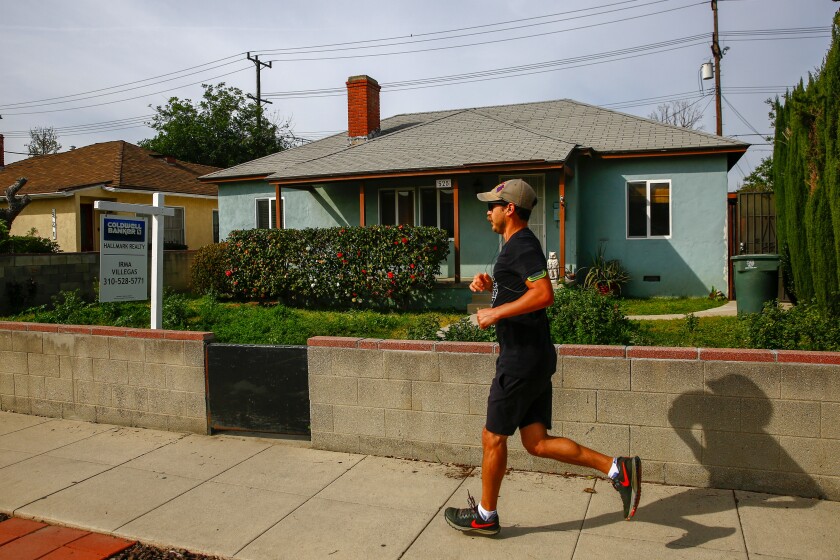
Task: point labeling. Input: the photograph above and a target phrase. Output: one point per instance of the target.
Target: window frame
(396, 191)
(183, 210)
(648, 183)
(272, 212)
(424, 189)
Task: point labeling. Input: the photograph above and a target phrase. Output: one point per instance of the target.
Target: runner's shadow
(733, 450)
(670, 511)
(734, 447)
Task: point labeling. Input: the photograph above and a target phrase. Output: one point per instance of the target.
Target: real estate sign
(123, 259)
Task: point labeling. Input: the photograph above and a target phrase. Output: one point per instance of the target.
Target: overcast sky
(92, 69)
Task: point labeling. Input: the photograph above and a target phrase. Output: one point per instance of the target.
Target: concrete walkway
(254, 498)
(728, 309)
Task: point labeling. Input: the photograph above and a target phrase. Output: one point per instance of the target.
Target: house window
(265, 213)
(215, 226)
(173, 227)
(648, 209)
(437, 209)
(396, 207)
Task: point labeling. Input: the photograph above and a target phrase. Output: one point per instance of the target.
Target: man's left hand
(486, 317)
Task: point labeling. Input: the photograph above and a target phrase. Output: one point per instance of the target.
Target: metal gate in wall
(258, 388)
(756, 223)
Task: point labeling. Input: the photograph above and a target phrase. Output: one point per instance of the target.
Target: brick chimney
(2, 153)
(362, 108)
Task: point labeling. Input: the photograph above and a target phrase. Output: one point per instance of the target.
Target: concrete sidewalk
(254, 498)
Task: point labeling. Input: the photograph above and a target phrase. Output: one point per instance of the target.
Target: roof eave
(233, 179)
(733, 153)
(464, 169)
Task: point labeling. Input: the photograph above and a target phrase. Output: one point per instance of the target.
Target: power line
(86, 95)
(456, 30)
(740, 116)
(412, 41)
(493, 41)
(520, 70)
(31, 104)
(13, 105)
(126, 99)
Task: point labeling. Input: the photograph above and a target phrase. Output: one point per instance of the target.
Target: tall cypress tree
(807, 181)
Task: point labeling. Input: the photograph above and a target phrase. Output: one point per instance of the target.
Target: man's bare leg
(536, 440)
(493, 466)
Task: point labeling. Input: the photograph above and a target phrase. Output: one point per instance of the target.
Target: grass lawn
(238, 323)
(709, 332)
(257, 324)
(667, 306)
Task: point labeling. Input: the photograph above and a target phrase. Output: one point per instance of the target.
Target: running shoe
(628, 482)
(469, 520)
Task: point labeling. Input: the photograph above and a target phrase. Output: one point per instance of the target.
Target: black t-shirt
(525, 348)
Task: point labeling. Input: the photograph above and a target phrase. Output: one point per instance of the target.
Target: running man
(520, 394)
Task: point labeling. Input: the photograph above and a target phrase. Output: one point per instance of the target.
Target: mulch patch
(146, 552)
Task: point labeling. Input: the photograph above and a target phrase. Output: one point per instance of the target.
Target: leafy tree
(678, 113)
(761, 178)
(43, 141)
(220, 130)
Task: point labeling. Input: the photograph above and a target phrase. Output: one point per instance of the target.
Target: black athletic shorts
(516, 402)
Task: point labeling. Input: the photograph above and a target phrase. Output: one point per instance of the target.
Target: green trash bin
(756, 281)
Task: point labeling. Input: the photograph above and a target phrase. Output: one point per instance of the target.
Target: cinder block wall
(35, 278)
(760, 420)
(129, 377)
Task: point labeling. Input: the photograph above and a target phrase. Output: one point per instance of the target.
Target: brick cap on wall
(108, 331)
(597, 351)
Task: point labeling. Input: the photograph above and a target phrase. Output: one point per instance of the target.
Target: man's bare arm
(539, 295)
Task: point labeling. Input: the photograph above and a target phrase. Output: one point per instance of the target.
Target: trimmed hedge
(373, 266)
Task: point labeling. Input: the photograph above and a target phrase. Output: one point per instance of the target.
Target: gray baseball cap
(516, 191)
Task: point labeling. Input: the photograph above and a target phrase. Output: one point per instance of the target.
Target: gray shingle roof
(544, 131)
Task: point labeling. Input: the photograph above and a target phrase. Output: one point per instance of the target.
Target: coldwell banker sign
(123, 259)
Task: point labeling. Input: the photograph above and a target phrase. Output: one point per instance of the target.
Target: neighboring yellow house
(64, 186)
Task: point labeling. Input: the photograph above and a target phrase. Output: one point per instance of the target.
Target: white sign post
(157, 211)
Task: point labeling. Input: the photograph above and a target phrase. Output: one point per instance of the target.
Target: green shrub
(208, 270)
(174, 312)
(29, 243)
(583, 316)
(464, 330)
(70, 308)
(355, 267)
(803, 327)
(425, 328)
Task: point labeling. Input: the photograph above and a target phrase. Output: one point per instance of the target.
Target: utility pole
(718, 54)
(259, 65)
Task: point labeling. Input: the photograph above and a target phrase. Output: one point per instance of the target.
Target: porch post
(457, 233)
(362, 203)
(561, 214)
(278, 207)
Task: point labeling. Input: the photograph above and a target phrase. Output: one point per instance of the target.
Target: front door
(86, 224)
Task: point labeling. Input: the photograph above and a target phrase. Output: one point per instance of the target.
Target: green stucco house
(654, 194)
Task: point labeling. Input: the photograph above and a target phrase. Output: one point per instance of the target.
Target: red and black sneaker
(469, 520)
(628, 482)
